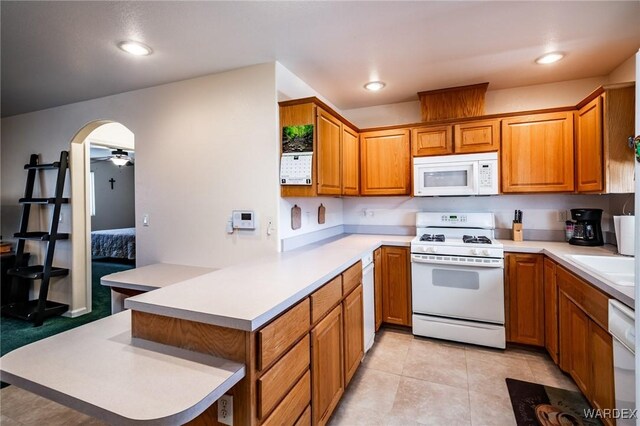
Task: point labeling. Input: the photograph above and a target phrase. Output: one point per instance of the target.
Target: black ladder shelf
(39, 309)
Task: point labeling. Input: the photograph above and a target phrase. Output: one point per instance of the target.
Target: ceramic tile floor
(404, 380)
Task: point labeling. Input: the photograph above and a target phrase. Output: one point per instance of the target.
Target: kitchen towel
(625, 227)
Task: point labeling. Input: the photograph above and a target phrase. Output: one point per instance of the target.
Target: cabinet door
(385, 162)
(550, 309)
(432, 140)
(350, 162)
(602, 389)
(526, 299)
(537, 153)
(377, 285)
(477, 136)
(353, 333)
(396, 286)
(327, 367)
(574, 343)
(329, 133)
(589, 160)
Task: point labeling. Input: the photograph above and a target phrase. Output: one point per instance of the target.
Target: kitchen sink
(617, 269)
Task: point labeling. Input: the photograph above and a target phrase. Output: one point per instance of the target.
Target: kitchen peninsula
(205, 315)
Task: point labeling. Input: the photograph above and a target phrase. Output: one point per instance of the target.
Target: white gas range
(457, 270)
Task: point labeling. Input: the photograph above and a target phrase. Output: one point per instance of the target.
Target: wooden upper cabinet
(299, 115)
(589, 161)
(525, 323)
(537, 153)
(385, 162)
(396, 286)
(604, 121)
(350, 161)
(329, 153)
(477, 136)
(431, 140)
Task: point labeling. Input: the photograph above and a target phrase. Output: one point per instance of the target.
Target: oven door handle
(424, 259)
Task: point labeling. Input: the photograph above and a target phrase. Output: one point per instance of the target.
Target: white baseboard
(76, 312)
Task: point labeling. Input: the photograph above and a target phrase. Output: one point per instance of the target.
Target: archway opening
(100, 189)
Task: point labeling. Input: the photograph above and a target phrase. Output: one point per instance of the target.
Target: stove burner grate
(433, 237)
(470, 239)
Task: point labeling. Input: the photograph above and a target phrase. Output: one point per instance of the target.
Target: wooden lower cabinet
(377, 285)
(550, 309)
(327, 367)
(586, 348)
(525, 300)
(396, 285)
(574, 343)
(353, 332)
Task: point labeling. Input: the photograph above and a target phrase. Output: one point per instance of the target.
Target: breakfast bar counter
(101, 370)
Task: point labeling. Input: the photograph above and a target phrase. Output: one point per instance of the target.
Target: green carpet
(16, 333)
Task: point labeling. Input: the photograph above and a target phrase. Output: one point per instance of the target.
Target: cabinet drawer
(326, 298)
(590, 300)
(279, 335)
(351, 278)
(293, 405)
(276, 382)
(305, 418)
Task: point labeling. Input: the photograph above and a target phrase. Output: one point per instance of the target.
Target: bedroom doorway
(103, 212)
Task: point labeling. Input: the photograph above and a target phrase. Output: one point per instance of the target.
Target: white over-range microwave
(466, 174)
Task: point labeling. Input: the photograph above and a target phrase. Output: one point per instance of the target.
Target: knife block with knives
(517, 234)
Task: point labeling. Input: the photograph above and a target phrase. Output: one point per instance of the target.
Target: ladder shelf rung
(47, 166)
(29, 310)
(36, 272)
(40, 236)
(51, 200)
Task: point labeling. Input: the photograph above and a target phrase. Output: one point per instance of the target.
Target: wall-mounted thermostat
(243, 219)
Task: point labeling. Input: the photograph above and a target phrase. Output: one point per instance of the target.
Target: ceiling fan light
(119, 161)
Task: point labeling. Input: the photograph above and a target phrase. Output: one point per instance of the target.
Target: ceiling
(55, 53)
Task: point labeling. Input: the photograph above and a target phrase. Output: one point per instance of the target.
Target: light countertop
(558, 251)
(101, 370)
(249, 295)
(151, 277)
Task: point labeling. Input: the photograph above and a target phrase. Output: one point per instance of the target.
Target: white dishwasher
(368, 300)
(622, 328)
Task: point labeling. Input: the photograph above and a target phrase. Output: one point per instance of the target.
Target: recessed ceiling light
(374, 86)
(550, 58)
(135, 48)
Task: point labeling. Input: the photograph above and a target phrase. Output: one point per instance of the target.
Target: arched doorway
(93, 133)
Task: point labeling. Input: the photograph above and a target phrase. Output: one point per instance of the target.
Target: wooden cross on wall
(112, 181)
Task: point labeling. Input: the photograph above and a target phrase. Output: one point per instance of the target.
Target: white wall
(290, 86)
(204, 147)
(115, 206)
(540, 212)
(540, 96)
(625, 72)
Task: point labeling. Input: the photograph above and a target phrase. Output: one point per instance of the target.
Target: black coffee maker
(587, 230)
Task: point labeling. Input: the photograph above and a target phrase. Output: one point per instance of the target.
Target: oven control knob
(474, 252)
(485, 252)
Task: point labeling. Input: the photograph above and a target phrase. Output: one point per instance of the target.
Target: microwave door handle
(474, 177)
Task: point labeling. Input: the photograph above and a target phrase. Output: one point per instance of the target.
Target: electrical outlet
(225, 410)
(562, 216)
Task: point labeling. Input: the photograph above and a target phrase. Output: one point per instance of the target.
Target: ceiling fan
(118, 157)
